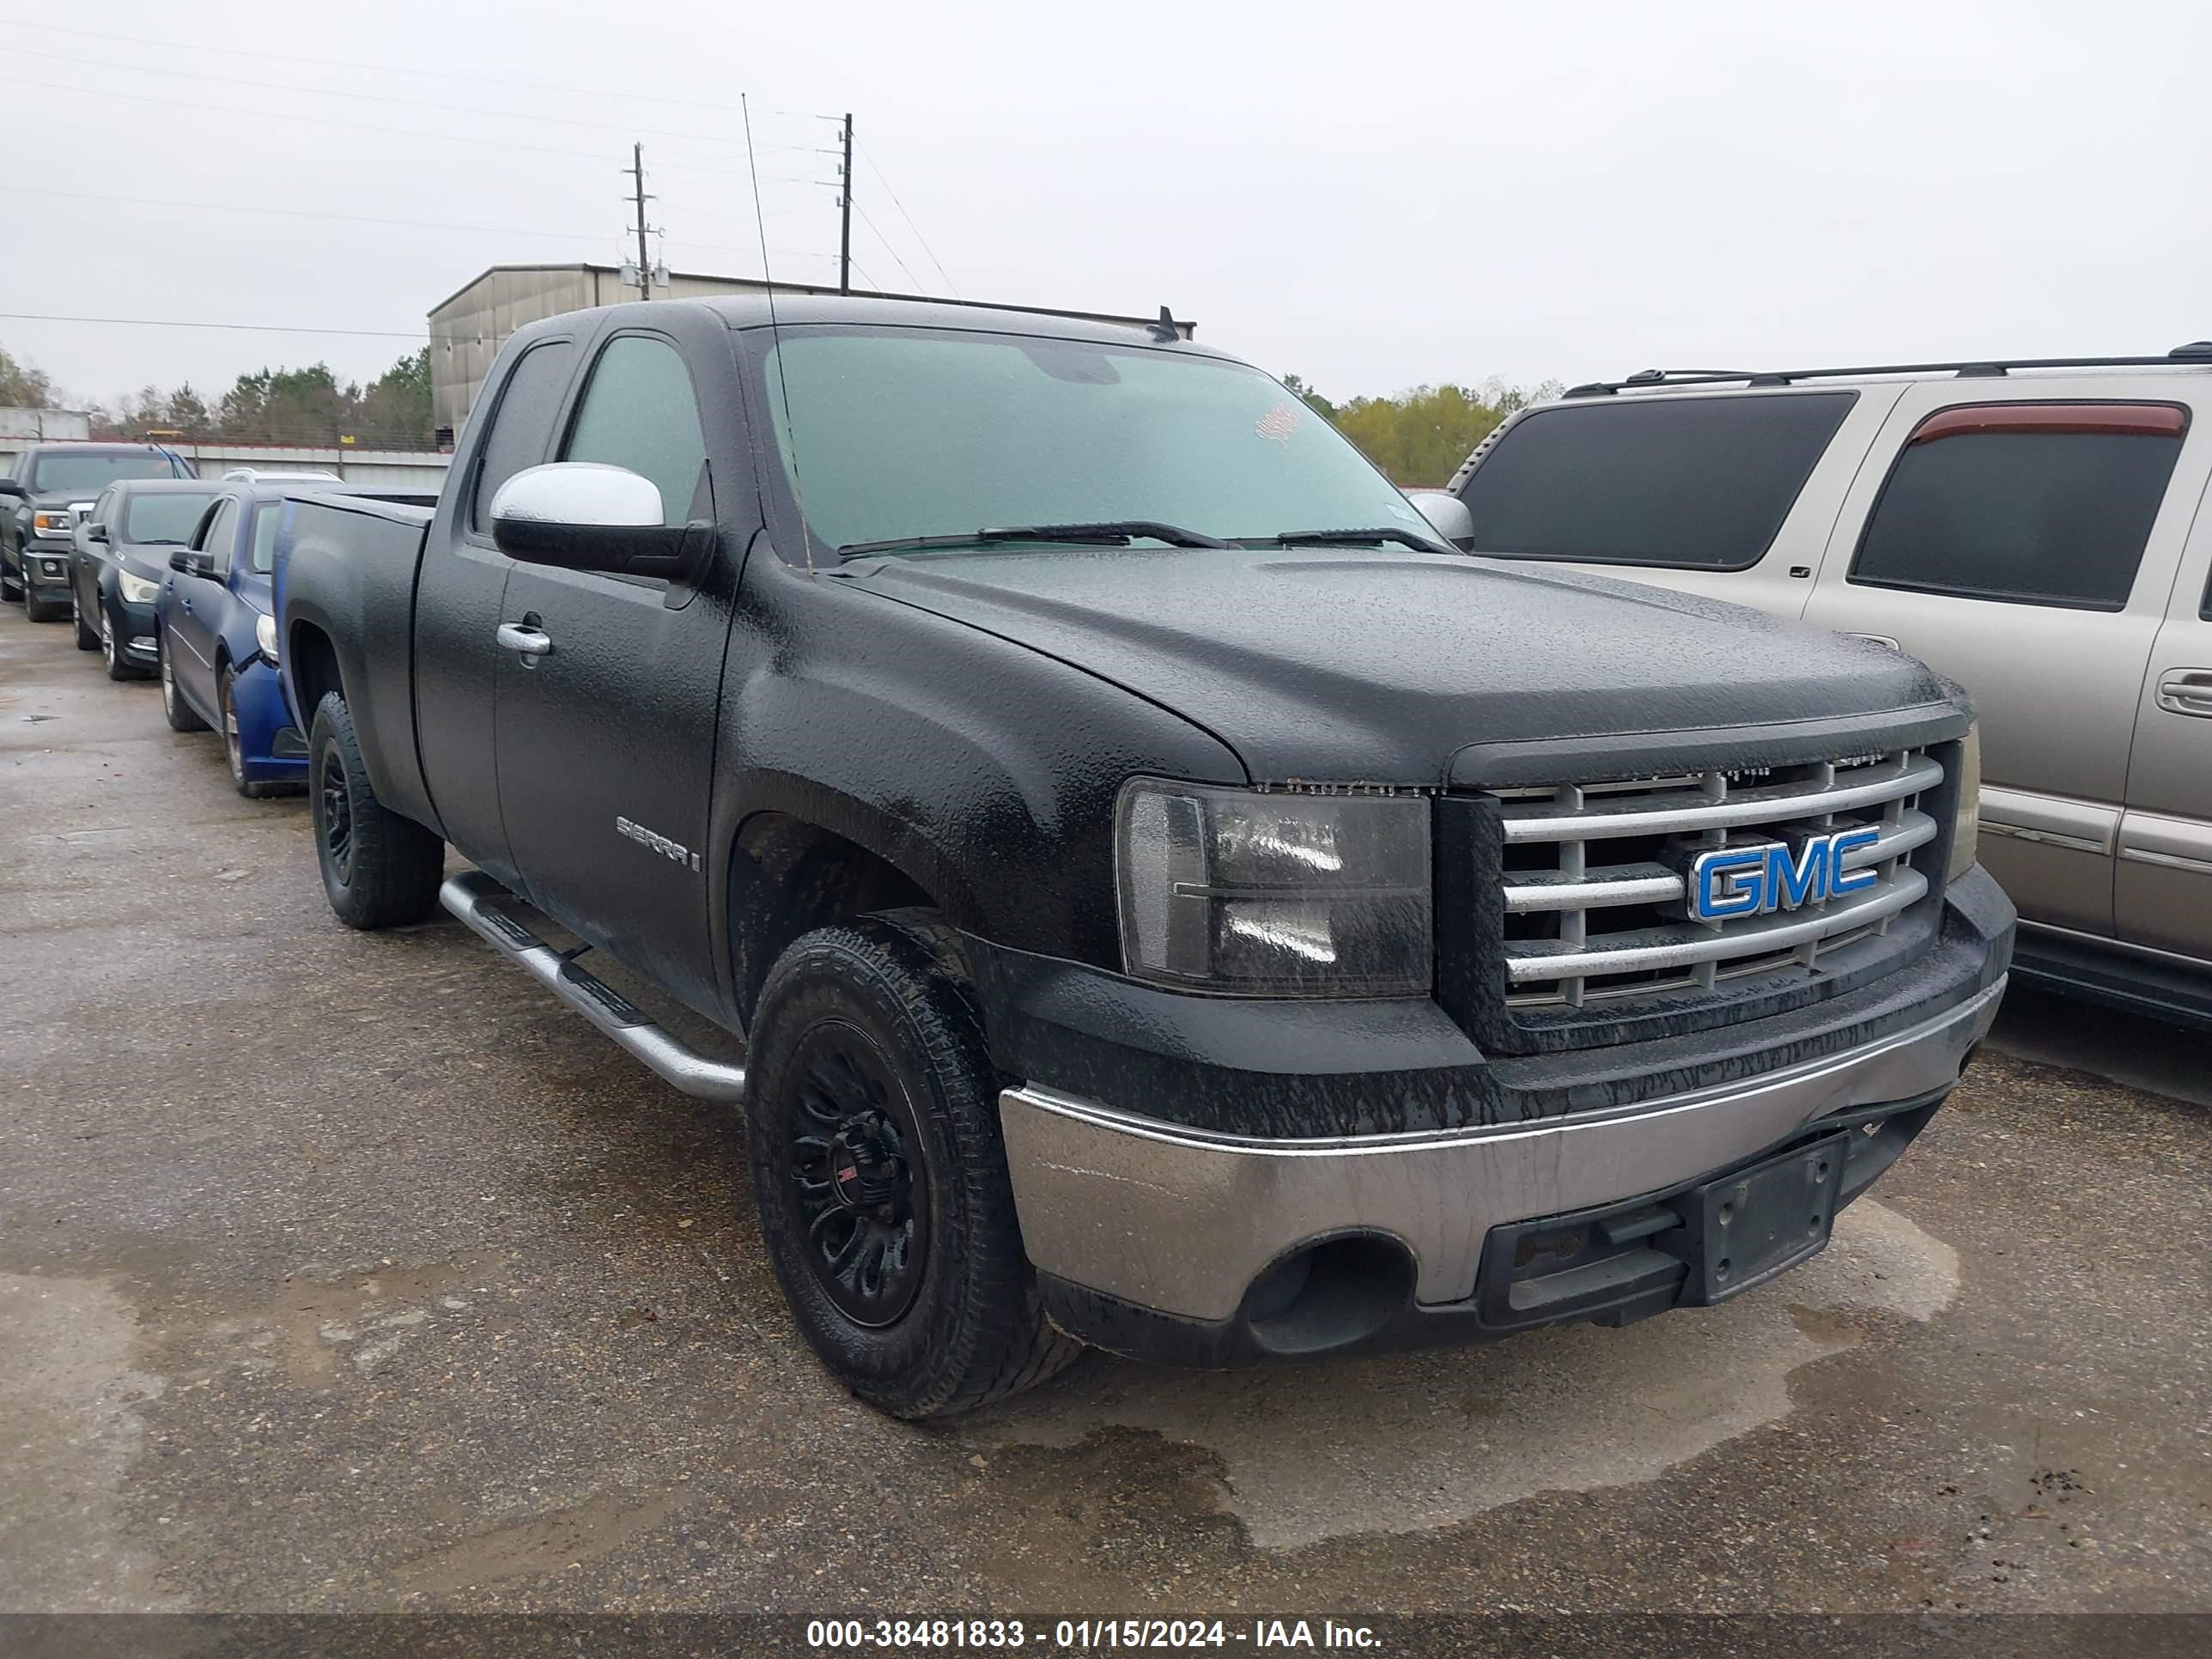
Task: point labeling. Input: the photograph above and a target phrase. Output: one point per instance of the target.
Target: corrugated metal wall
(389, 469)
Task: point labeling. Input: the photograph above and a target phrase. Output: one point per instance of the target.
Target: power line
(364, 126)
(245, 328)
(304, 213)
(889, 249)
(370, 97)
(877, 168)
(394, 69)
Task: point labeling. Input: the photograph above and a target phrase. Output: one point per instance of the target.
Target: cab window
(521, 423)
(638, 412)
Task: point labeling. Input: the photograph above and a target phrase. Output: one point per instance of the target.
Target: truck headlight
(1965, 830)
(1267, 893)
(52, 524)
(265, 635)
(136, 590)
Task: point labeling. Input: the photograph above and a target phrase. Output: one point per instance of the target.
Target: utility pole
(845, 201)
(636, 170)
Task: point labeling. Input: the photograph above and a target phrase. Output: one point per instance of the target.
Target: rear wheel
(181, 715)
(872, 1128)
(380, 870)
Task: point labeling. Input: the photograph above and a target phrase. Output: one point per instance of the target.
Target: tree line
(1420, 436)
(1417, 437)
(299, 406)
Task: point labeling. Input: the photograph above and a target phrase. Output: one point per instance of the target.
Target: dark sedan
(120, 560)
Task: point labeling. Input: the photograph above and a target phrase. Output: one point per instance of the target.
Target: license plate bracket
(1755, 1222)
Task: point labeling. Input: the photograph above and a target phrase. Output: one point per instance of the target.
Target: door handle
(528, 643)
(2187, 692)
(1879, 639)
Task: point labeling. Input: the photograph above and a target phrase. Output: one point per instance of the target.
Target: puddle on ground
(1410, 1442)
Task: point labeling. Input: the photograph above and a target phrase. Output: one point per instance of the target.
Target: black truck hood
(1328, 665)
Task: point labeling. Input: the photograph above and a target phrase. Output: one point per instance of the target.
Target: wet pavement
(350, 1273)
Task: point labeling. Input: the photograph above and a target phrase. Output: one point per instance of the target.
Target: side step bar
(474, 897)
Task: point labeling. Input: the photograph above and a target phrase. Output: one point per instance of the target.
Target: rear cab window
(521, 424)
(1693, 483)
(2024, 503)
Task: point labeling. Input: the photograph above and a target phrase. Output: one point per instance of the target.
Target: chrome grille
(1596, 903)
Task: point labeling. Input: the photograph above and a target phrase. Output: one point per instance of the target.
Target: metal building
(468, 328)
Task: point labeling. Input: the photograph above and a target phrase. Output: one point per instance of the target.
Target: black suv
(53, 489)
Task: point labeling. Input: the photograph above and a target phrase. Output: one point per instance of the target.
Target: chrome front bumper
(1184, 1221)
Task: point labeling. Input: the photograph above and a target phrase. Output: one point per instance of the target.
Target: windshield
(88, 475)
(899, 433)
(165, 517)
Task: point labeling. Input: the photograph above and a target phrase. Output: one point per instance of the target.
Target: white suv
(2037, 530)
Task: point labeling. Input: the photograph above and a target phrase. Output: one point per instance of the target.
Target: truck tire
(871, 1126)
(39, 608)
(180, 715)
(380, 870)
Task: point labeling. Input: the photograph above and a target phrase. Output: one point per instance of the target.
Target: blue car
(215, 637)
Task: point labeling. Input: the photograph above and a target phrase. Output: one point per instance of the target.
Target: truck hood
(1328, 665)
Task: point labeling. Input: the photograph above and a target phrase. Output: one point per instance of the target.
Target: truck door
(457, 611)
(2163, 887)
(606, 733)
(2026, 547)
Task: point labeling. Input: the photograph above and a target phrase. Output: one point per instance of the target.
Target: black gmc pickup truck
(1171, 900)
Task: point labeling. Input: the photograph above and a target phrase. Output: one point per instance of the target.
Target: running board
(473, 897)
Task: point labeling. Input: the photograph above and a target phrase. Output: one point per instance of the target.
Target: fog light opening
(1330, 1295)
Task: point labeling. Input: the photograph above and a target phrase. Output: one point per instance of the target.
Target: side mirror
(9, 487)
(1447, 515)
(192, 564)
(95, 533)
(585, 515)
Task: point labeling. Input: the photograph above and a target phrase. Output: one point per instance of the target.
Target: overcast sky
(1369, 195)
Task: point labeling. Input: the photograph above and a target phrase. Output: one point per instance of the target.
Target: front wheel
(85, 639)
(380, 870)
(40, 609)
(118, 666)
(871, 1127)
(234, 745)
(180, 715)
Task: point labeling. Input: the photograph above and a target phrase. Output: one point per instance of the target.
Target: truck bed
(344, 591)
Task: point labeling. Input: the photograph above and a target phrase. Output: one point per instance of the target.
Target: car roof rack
(2196, 352)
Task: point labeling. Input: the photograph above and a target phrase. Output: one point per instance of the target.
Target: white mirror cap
(1447, 514)
(585, 492)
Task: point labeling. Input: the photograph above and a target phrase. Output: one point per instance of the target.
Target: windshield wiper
(1107, 532)
(1346, 538)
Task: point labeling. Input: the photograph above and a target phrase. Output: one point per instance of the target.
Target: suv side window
(2024, 503)
(217, 531)
(1689, 483)
(638, 412)
(520, 423)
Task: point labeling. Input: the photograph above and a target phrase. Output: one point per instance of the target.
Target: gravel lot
(351, 1273)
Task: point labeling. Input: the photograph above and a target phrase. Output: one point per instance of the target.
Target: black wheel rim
(334, 807)
(853, 1169)
(231, 746)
